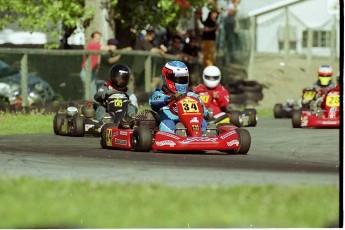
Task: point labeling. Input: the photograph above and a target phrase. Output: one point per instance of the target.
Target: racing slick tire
(58, 118)
(252, 116)
(77, 127)
(296, 118)
(235, 118)
(141, 139)
(278, 111)
(245, 141)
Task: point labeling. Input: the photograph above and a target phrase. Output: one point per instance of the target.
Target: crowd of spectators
(197, 49)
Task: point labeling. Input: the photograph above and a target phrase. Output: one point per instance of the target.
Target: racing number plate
(333, 101)
(309, 95)
(190, 105)
(118, 103)
(109, 136)
(204, 98)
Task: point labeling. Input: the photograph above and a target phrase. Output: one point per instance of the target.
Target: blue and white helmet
(175, 76)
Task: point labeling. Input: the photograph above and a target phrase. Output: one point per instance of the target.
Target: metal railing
(149, 66)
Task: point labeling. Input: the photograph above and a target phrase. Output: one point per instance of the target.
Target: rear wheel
(142, 139)
(245, 141)
(235, 118)
(296, 119)
(77, 127)
(278, 111)
(58, 118)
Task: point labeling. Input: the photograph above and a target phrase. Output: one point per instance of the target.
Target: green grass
(35, 122)
(25, 123)
(31, 203)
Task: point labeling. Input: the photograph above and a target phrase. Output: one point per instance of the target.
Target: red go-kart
(320, 118)
(188, 135)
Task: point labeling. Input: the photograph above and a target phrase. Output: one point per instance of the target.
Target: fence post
(24, 80)
(309, 49)
(148, 73)
(252, 48)
(88, 76)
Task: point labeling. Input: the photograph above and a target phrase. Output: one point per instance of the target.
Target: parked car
(39, 91)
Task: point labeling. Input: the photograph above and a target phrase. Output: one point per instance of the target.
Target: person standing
(231, 37)
(113, 58)
(208, 42)
(92, 45)
(147, 44)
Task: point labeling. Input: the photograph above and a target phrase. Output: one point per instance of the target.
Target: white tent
(321, 17)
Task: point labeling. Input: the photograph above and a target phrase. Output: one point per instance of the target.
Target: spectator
(112, 58)
(231, 38)
(191, 52)
(93, 44)
(146, 43)
(208, 43)
(176, 46)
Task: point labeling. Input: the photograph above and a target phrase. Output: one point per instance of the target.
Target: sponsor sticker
(233, 142)
(123, 133)
(199, 139)
(169, 135)
(228, 134)
(194, 120)
(88, 126)
(329, 122)
(120, 142)
(166, 142)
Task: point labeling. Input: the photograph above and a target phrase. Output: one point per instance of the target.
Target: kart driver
(118, 80)
(334, 89)
(324, 81)
(220, 96)
(322, 85)
(175, 77)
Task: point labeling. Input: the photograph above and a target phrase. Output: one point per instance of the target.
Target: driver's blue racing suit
(159, 101)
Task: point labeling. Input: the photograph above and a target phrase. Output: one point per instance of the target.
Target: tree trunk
(102, 20)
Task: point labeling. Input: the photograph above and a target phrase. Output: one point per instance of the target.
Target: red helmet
(175, 76)
(325, 75)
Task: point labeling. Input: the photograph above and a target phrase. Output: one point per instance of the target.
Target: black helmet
(119, 76)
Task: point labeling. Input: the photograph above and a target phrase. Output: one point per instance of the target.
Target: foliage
(153, 13)
(44, 15)
(66, 15)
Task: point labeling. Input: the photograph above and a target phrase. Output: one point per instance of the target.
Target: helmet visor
(212, 78)
(180, 79)
(324, 80)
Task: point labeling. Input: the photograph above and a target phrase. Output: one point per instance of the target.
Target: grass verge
(31, 203)
(35, 122)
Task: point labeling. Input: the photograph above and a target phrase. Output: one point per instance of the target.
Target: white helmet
(211, 76)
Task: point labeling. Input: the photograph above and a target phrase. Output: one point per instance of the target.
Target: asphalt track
(279, 154)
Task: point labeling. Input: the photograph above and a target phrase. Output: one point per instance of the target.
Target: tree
(67, 15)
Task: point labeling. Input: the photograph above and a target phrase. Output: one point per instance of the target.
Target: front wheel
(236, 118)
(296, 119)
(58, 118)
(245, 141)
(252, 116)
(142, 139)
(278, 111)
